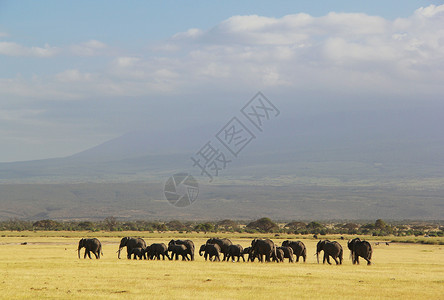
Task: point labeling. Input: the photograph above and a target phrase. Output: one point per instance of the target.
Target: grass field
(48, 267)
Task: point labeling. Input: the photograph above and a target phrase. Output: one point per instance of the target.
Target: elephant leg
(89, 254)
(328, 259)
(243, 257)
(97, 255)
(336, 260)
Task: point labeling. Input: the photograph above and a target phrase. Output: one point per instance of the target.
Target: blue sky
(76, 73)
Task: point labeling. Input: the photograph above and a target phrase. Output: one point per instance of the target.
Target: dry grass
(48, 267)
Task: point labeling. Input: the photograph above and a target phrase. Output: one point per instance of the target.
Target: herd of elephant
(261, 249)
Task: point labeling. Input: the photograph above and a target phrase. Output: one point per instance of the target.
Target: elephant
(223, 244)
(263, 247)
(298, 248)
(188, 244)
(279, 256)
(288, 253)
(249, 251)
(333, 249)
(90, 245)
(210, 251)
(177, 250)
(138, 252)
(235, 251)
(131, 243)
(156, 250)
(360, 248)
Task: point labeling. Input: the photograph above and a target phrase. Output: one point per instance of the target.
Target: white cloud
(90, 48)
(73, 75)
(295, 52)
(14, 49)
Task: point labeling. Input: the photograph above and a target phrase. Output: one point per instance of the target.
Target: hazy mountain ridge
(388, 168)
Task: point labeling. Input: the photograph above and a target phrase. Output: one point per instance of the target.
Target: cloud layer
(340, 54)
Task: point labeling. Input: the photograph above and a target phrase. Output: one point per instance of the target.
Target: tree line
(262, 225)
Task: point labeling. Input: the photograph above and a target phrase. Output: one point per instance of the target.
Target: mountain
(354, 165)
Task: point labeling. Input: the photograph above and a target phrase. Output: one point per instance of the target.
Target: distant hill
(358, 165)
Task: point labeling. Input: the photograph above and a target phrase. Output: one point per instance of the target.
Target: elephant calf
(210, 251)
(288, 253)
(177, 250)
(138, 252)
(279, 256)
(249, 251)
(235, 251)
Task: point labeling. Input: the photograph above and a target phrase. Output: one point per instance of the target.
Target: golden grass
(48, 267)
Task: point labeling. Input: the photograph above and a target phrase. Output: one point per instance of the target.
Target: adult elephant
(360, 248)
(261, 248)
(90, 245)
(187, 243)
(235, 251)
(223, 244)
(210, 251)
(138, 252)
(130, 243)
(333, 249)
(298, 248)
(156, 250)
(177, 250)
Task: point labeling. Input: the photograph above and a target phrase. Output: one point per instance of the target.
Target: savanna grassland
(48, 267)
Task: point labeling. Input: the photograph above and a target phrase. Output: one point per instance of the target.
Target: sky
(74, 74)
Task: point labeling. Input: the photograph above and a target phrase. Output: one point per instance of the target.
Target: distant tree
(205, 227)
(111, 223)
(175, 225)
(295, 225)
(380, 224)
(47, 225)
(263, 225)
(86, 225)
(227, 225)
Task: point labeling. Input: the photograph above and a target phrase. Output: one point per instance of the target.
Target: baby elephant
(210, 250)
(235, 251)
(249, 251)
(138, 252)
(177, 250)
(279, 257)
(288, 253)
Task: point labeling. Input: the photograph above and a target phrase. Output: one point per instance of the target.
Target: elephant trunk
(317, 256)
(78, 250)
(118, 256)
